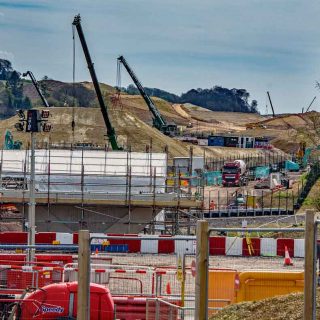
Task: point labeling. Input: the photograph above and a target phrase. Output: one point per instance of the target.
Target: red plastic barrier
(281, 243)
(133, 308)
(75, 238)
(256, 244)
(13, 237)
(133, 245)
(45, 237)
(217, 246)
(166, 246)
(60, 259)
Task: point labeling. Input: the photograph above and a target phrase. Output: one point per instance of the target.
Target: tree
(5, 69)
(254, 106)
(27, 103)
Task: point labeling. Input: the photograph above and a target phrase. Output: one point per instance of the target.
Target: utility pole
(83, 306)
(32, 203)
(35, 122)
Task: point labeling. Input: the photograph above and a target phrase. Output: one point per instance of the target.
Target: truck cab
(234, 174)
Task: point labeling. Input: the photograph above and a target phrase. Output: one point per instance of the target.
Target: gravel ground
(238, 263)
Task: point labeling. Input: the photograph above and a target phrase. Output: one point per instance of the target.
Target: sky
(174, 45)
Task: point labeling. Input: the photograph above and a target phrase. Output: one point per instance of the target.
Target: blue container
(217, 141)
(117, 248)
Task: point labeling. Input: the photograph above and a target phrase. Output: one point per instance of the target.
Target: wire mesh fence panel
(20, 278)
(159, 309)
(251, 266)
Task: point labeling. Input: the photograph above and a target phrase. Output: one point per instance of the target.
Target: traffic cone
(168, 288)
(287, 259)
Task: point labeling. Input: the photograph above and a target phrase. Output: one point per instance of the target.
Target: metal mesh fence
(251, 266)
(158, 309)
(246, 201)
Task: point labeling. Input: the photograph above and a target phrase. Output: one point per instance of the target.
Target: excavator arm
(110, 130)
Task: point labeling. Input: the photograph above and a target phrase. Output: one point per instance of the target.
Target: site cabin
(235, 141)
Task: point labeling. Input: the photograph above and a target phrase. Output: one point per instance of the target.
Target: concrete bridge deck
(101, 212)
(143, 200)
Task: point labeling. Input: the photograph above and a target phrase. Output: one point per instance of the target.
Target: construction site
(146, 209)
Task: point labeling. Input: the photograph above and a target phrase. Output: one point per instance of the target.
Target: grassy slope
(132, 121)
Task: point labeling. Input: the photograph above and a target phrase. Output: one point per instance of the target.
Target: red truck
(234, 174)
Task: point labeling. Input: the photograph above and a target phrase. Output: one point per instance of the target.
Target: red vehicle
(234, 174)
(59, 301)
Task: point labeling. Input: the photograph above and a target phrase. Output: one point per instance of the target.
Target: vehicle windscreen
(230, 170)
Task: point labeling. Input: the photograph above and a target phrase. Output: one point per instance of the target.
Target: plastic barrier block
(268, 247)
(255, 244)
(165, 246)
(13, 237)
(149, 246)
(299, 248)
(233, 246)
(217, 246)
(281, 243)
(45, 237)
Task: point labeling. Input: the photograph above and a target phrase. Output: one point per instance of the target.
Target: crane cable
(73, 124)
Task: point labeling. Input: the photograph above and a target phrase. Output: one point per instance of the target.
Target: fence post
(310, 266)
(83, 308)
(202, 261)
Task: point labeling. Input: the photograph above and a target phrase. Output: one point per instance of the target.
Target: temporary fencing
(20, 278)
(262, 172)
(160, 309)
(257, 202)
(250, 267)
(147, 273)
(213, 178)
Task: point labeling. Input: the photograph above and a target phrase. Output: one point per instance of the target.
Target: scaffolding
(85, 175)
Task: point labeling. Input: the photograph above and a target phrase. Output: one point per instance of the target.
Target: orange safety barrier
(258, 285)
(222, 283)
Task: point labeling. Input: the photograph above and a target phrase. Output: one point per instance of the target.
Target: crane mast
(271, 104)
(158, 121)
(110, 130)
(36, 85)
(310, 104)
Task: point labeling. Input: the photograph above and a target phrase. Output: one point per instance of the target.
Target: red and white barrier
(230, 246)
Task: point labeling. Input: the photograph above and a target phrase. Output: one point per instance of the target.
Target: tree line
(216, 98)
(11, 90)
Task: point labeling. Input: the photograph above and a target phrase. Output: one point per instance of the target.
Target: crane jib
(110, 130)
(158, 120)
